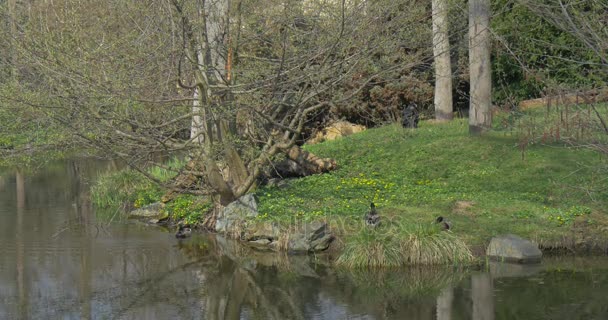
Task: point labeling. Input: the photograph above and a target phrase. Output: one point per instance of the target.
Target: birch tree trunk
(480, 116)
(214, 116)
(443, 68)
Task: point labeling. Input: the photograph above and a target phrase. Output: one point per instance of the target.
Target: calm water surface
(59, 260)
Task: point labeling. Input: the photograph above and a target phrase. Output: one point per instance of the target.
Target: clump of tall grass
(128, 186)
(427, 245)
(370, 248)
(117, 188)
(399, 246)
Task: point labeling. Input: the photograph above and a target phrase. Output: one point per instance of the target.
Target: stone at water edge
(236, 212)
(260, 243)
(150, 212)
(310, 237)
(261, 230)
(511, 248)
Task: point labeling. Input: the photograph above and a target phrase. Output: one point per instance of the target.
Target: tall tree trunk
(480, 116)
(443, 68)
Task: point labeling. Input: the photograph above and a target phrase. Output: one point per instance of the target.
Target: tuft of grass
(403, 245)
(124, 187)
(128, 187)
(425, 245)
(370, 249)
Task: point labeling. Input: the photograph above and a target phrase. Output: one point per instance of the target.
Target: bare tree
(480, 116)
(443, 68)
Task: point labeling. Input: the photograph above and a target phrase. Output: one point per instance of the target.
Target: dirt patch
(462, 207)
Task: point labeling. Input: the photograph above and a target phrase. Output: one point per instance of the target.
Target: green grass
(129, 189)
(415, 176)
(127, 186)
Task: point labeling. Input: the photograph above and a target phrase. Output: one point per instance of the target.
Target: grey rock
(260, 244)
(511, 248)
(235, 213)
(263, 230)
(149, 212)
(277, 183)
(310, 237)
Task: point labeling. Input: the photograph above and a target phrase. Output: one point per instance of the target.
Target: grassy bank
(128, 189)
(516, 179)
(486, 186)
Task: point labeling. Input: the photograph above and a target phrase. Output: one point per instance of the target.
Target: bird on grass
(443, 223)
(372, 218)
(183, 231)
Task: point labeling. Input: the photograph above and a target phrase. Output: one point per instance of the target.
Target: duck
(444, 223)
(372, 218)
(183, 231)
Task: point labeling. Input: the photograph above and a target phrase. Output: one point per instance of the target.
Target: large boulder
(232, 217)
(152, 213)
(511, 248)
(261, 230)
(310, 237)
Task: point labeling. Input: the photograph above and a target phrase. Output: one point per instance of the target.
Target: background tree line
(237, 84)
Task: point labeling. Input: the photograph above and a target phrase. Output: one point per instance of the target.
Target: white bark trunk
(443, 68)
(211, 63)
(480, 116)
(216, 42)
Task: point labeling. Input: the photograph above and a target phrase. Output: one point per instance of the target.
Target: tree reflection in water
(245, 282)
(61, 260)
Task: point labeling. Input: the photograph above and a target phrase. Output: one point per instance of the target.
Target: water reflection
(58, 261)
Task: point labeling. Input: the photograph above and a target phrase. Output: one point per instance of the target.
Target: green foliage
(27, 137)
(128, 186)
(124, 187)
(566, 216)
(188, 208)
(531, 53)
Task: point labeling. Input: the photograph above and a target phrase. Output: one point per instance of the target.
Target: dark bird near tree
(444, 223)
(410, 116)
(372, 218)
(183, 231)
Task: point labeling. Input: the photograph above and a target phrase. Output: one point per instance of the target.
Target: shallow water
(58, 260)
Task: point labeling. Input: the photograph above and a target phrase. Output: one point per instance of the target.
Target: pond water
(59, 260)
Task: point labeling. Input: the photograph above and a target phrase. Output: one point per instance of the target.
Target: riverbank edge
(319, 237)
(394, 168)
